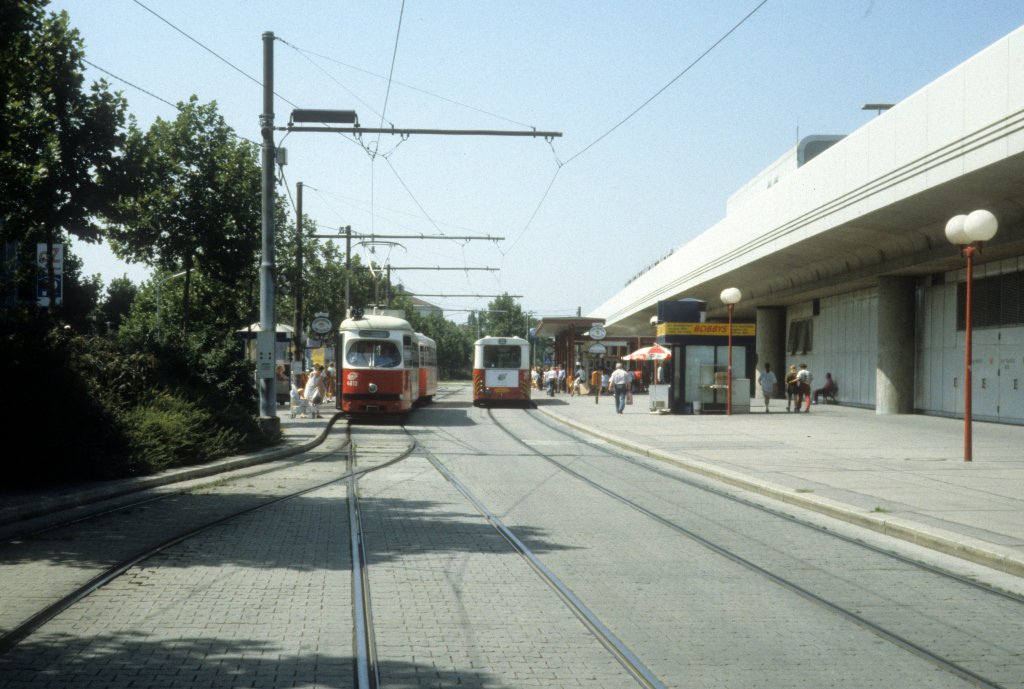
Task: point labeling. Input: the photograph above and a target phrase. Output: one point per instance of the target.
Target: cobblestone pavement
(260, 602)
(693, 617)
(265, 600)
(454, 605)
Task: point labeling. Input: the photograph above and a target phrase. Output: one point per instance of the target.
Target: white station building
(841, 255)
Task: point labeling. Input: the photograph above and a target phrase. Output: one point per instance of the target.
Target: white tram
(501, 371)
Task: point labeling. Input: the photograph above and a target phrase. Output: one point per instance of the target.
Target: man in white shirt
(617, 383)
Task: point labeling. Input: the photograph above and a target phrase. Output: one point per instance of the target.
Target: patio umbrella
(654, 353)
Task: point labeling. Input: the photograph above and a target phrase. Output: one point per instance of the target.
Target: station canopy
(560, 326)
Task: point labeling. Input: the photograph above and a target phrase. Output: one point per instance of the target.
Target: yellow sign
(707, 329)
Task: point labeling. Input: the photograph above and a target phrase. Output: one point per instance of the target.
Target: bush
(95, 407)
(169, 431)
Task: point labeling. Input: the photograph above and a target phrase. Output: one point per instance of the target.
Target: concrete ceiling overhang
(553, 327)
(904, 238)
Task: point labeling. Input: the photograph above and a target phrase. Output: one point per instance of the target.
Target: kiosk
(698, 369)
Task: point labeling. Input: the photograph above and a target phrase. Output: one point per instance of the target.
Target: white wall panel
(997, 361)
(845, 344)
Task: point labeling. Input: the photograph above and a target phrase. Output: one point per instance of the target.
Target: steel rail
(640, 672)
(864, 623)
(235, 474)
(924, 566)
(21, 631)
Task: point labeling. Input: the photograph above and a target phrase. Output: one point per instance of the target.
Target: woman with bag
(314, 392)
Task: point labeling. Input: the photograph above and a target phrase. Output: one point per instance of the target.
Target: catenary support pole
(268, 411)
(299, 356)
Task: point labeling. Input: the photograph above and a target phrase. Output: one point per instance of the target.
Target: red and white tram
(386, 367)
(501, 371)
(426, 353)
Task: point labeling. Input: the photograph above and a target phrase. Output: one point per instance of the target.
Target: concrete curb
(116, 489)
(941, 540)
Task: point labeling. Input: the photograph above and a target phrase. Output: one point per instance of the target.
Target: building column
(770, 343)
(894, 375)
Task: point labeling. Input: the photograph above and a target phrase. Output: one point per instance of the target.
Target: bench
(830, 396)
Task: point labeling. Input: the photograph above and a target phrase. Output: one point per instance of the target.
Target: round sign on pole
(321, 325)
(597, 332)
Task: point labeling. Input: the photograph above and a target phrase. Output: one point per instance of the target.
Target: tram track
(368, 672)
(626, 657)
(372, 448)
(938, 658)
(124, 562)
(372, 455)
(18, 531)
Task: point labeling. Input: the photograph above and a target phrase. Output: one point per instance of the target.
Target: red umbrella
(654, 353)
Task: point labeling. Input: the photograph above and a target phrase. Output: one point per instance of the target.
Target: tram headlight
(372, 387)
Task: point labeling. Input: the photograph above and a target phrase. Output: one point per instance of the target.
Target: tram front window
(371, 354)
(502, 356)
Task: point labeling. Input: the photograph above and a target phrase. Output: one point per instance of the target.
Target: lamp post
(730, 297)
(969, 232)
(158, 286)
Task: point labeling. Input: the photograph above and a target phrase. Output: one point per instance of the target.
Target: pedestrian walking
(617, 383)
(767, 382)
(792, 387)
(551, 380)
(578, 379)
(804, 394)
(595, 384)
(314, 390)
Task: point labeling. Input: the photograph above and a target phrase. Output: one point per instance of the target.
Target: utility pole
(266, 341)
(299, 355)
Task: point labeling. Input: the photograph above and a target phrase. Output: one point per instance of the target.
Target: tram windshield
(503, 356)
(374, 354)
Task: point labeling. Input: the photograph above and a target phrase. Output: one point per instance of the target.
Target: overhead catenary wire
(628, 117)
(666, 86)
(460, 104)
(176, 106)
(211, 51)
(278, 95)
(330, 76)
(394, 58)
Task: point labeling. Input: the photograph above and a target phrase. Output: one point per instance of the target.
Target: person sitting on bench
(828, 390)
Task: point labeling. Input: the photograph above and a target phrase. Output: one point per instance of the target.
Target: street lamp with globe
(730, 297)
(969, 232)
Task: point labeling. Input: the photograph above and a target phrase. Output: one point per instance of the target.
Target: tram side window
(502, 356)
(367, 353)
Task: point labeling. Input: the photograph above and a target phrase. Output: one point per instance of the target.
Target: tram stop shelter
(573, 342)
(569, 333)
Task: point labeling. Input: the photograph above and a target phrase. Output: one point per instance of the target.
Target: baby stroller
(300, 405)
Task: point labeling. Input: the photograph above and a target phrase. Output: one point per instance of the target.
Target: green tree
(116, 304)
(58, 143)
(454, 345)
(323, 274)
(192, 202)
(504, 318)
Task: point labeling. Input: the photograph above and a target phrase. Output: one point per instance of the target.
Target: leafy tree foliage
(116, 304)
(191, 201)
(504, 318)
(58, 143)
(454, 344)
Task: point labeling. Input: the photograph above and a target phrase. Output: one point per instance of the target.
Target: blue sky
(581, 214)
